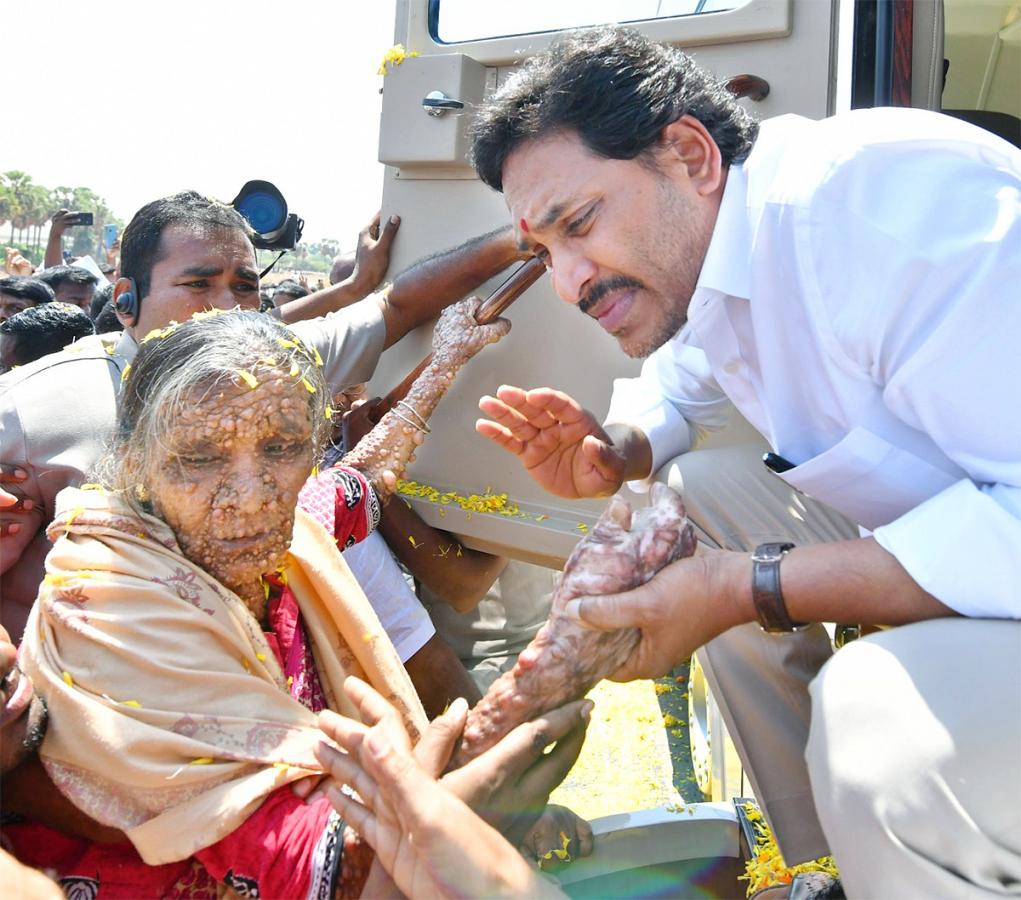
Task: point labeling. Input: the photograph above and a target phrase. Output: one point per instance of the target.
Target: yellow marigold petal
(328, 412)
(582, 527)
(133, 703)
(261, 657)
(248, 378)
(308, 385)
(412, 541)
(124, 374)
(295, 369)
(286, 344)
(68, 680)
(318, 358)
(201, 761)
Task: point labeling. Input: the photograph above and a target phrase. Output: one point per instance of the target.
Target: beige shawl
(169, 715)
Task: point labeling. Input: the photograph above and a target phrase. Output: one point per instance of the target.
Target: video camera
(265, 209)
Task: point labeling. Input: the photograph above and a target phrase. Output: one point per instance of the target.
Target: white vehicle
(810, 57)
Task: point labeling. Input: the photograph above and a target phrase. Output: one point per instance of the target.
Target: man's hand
(509, 784)
(558, 836)
(61, 220)
(372, 258)
(425, 837)
(12, 503)
(16, 264)
(685, 605)
(559, 443)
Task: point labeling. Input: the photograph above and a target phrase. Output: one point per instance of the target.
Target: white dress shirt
(860, 304)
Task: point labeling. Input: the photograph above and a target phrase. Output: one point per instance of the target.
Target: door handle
(436, 103)
(751, 86)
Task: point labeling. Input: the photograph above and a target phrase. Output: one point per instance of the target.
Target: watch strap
(767, 596)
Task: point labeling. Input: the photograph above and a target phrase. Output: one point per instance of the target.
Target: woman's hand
(427, 839)
(458, 336)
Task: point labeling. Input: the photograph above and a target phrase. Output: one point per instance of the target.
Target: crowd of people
(225, 680)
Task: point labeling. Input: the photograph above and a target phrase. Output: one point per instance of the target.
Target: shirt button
(733, 367)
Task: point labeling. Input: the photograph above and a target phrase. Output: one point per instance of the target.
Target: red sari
(286, 848)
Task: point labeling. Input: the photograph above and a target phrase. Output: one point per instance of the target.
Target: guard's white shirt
(860, 304)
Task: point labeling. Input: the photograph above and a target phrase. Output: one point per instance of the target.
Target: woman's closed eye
(284, 448)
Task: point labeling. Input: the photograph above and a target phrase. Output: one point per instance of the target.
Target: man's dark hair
(141, 246)
(291, 288)
(99, 299)
(46, 329)
(107, 320)
(26, 288)
(55, 276)
(616, 90)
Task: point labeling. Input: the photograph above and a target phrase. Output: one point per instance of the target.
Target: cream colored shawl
(169, 715)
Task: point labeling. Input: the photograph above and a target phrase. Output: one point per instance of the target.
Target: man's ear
(686, 144)
(125, 302)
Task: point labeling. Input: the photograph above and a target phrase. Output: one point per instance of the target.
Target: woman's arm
(384, 453)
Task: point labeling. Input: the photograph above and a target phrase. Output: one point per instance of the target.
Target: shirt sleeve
(400, 612)
(350, 341)
(674, 401)
(944, 350)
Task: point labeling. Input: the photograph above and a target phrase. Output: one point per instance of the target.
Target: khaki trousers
(912, 774)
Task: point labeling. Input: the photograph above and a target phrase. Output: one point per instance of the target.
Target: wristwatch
(766, 595)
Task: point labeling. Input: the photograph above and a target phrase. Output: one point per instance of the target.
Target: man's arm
(457, 574)
(421, 292)
(58, 225)
(440, 677)
(694, 600)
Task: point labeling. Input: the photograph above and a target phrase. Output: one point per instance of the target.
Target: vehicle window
(456, 21)
(983, 51)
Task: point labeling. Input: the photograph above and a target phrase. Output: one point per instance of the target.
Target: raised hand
(372, 257)
(559, 443)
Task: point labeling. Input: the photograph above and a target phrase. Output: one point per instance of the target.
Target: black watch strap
(766, 594)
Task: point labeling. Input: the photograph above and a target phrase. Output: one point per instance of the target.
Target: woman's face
(227, 481)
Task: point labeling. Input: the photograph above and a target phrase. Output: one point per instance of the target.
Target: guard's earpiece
(127, 302)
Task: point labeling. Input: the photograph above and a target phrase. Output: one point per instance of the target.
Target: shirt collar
(727, 264)
(126, 348)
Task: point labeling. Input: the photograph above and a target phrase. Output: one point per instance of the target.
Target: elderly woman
(192, 622)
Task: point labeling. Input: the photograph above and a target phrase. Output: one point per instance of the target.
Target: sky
(137, 99)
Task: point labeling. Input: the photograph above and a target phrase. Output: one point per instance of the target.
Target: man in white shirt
(851, 286)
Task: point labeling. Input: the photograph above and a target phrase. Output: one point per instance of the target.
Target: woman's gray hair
(178, 366)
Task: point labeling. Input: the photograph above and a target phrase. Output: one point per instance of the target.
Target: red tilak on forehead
(523, 225)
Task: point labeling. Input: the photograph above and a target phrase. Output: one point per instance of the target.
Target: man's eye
(576, 226)
(199, 283)
(245, 288)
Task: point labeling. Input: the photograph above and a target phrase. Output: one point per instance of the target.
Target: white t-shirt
(400, 613)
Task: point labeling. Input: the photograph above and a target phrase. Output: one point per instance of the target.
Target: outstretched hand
(559, 443)
(429, 841)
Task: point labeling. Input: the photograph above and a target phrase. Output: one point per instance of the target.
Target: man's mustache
(601, 288)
